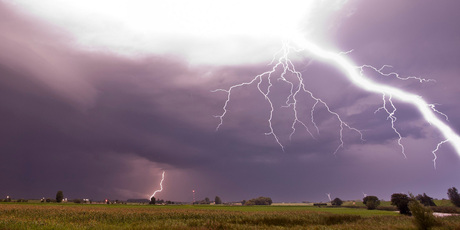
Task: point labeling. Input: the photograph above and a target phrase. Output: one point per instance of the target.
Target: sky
(98, 98)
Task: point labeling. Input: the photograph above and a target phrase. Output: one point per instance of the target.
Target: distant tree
(371, 202)
(59, 196)
(259, 201)
(217, 200)
(454, 197)
(250, 202)
(425, 200)
(152, 200)
(401, 201)
(336, 202)
(205, 201)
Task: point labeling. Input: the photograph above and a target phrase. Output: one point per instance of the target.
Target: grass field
(85, 216)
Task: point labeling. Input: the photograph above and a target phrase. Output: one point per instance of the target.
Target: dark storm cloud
(156, 109)
(95, 124)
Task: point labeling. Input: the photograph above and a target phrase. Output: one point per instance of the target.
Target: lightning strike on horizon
(329, 196)
(356, 75)
(161, 185)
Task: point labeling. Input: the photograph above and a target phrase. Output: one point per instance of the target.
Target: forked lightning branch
(281, 66)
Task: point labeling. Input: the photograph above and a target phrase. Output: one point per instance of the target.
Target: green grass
(98, 216)
(446, 203)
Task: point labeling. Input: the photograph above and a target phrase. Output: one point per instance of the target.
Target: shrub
(423, 216)
(250, 202)
(425, 200)
(401, 201)
(205, 201)
(152, 200)
(371, 202)
(259, 201)
(454, 197)
(217, 200)
(337, 202)
(59, 196)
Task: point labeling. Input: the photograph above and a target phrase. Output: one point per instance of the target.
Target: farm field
(86, 216)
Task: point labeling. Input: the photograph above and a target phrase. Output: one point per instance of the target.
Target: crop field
(86, 216)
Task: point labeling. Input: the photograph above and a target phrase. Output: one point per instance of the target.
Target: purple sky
(101, 113)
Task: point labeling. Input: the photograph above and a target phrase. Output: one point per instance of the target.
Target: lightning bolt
(329, 196)
(353, 73)
(296, 89)
(161, 185)
(428, 111)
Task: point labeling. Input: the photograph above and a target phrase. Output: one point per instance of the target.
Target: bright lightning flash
(355, 74)
(161, 185)
(296, 89)
(427, 110)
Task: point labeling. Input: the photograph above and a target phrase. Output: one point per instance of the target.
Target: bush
(217, 200)
(337, 202)
(423, 216)
(371, 202)
(401, 201)
(169, 202)
(454, 197)
(59, 196)
(205, 201)
(425, 200)
(250, 202)
(152, 200)
(259, 201)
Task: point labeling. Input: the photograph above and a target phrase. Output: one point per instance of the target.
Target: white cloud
(202, 32)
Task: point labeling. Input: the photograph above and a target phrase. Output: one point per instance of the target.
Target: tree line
(400, 200)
